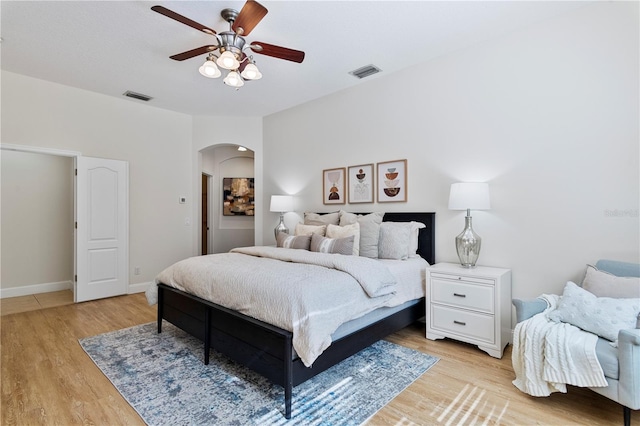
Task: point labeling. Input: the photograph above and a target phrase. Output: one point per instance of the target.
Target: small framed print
(392, 181)
(333, 186)
(361, 183)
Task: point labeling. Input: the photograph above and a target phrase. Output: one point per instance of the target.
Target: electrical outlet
(136, 270)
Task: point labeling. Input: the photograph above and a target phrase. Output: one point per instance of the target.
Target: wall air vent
(138, 96)
(365, 71)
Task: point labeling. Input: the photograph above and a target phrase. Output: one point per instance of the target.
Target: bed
(269, 349)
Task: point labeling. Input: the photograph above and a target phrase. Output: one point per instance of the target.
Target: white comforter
(310, 294)
(547, 355)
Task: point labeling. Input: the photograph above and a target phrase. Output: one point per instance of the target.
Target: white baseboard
(27, 290)
(138, 287)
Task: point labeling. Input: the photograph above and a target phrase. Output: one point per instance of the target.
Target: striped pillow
(332, 245)
(285, 240)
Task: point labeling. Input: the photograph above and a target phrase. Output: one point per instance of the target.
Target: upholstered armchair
(621, 365)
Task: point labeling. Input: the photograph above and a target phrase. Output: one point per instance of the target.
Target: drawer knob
(459, 295)
(459, 322)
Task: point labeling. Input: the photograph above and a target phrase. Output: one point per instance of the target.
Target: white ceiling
(113, 46)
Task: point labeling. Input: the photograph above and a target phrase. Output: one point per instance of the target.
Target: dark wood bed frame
(267, 349)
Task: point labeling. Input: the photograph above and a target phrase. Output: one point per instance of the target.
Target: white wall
(37, 222)
(547, 115)
(155, 142)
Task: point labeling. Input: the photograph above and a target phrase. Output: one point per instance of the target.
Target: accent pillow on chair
(604, 316)
(604, 284)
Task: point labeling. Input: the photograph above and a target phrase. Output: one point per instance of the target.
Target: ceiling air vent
(365, 71)
(138, 96)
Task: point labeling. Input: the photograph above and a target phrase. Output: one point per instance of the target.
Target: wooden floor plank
(48, 379)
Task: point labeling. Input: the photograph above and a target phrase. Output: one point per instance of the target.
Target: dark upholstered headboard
(426, 237)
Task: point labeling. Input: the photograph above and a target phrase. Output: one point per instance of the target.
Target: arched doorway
(221, 231)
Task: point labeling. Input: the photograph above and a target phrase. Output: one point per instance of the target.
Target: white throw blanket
(548, 355)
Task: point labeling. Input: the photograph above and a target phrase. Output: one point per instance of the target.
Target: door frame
(59, 153)
(62, 153)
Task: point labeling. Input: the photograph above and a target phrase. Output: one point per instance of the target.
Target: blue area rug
(164, 379)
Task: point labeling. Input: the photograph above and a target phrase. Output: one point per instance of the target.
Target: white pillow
(302, 229)
(321, 218)
(407, 236)
(604, 284)
(413, 242)
(369, 230)
(394, 241)
(335, 231)
(604, 316)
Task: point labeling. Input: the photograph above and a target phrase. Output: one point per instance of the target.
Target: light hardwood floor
(46, 377)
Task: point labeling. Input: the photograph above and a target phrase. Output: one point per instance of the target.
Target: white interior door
(102, 228)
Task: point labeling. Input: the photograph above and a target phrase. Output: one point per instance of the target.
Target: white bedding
(297, 290)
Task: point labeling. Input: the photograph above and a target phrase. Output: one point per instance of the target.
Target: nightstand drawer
(470, 324)
(471, 296)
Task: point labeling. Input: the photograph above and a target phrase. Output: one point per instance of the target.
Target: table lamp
(469, 196)
(281, 204)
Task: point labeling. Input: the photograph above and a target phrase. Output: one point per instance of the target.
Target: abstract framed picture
(392, 181)
(333, 186)
(238, 196)
(361, 183)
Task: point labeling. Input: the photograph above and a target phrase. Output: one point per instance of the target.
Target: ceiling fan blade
(173, 15)
(193, 52)
(277, 51)
(250, 15)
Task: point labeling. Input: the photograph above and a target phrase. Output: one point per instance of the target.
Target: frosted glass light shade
(281, 203)
(228, 61)
(469, 195)
(233, 79)
(209, 69)
(251, 72)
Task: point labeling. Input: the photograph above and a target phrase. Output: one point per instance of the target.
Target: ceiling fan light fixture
(251, 72)
(209, 69)
(233, 79)
(228, 61)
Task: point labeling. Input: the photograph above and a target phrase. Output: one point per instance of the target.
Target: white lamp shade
(281, 203)
(251, 72)
(228, 61)
(210, 70)
(469, 195)
(233, 79)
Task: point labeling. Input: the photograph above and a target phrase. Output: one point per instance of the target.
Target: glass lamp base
(468, 245)
(281, 227)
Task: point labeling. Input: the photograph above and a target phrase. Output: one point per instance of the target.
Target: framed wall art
(237, 197)
(392, 181)
(361, 183)
(333, 186)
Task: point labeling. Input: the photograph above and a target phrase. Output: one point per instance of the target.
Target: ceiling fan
(231, 45)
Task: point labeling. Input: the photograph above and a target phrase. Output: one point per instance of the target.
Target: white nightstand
(470, 304)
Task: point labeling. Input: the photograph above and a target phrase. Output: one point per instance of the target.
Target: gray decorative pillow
(394, 240)
(321, 219)
(289, 241)
(604, 316)
(604, 284)
(335, 231)
(302, 229)
(369, 230)
(332, 245)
